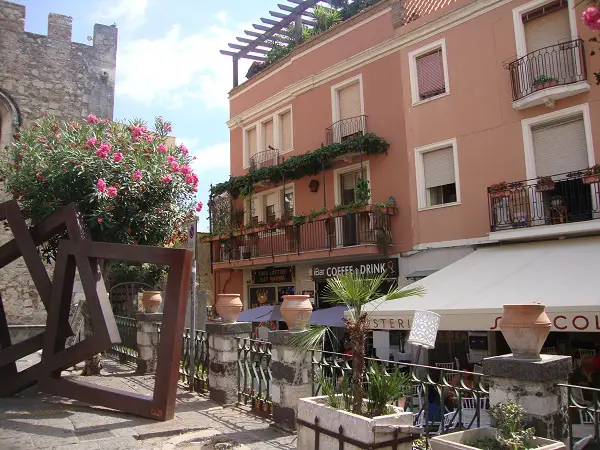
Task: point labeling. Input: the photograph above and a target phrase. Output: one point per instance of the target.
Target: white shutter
(349, 101)
(548, 29)
(251, 142)
(286, 131)
(560, 146)
(439, 167)
(267, 137)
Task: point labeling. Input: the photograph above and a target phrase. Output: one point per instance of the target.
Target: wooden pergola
(258, 43)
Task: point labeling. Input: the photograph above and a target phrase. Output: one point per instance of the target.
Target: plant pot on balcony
(296, 310)
(545, 85)
(229, 307)
(591, 179)
(458, 440)
(503, 193)
(525, 328)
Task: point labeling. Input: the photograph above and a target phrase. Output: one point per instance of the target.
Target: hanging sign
(324, 271)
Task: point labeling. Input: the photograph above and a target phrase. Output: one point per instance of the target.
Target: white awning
(469, 294)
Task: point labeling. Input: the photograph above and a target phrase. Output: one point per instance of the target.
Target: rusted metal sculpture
(79, 252)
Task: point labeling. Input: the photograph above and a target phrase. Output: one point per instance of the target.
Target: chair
(477, 368)
(469, 412)
(448, 422)
(585, 417)
(456, 363)
(449, 365)
(419, 419)
(476, 357)
(587, 353)
(418, 395)
(549, 351)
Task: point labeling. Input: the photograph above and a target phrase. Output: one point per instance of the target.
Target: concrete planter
(361, 429)
(525, 328)
(456, 440)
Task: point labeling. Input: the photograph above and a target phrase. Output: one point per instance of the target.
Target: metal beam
(243, 47)
(261, 27)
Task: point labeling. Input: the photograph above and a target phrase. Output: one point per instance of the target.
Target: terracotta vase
(229, 307)
(525, 328)
(296, 310)
(151, 301)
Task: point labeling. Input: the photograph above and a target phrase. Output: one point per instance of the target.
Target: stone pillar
(223, 357)
(533, 385)
(290, 377)
(147, 341)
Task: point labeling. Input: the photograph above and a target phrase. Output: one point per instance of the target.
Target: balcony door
(349, 222)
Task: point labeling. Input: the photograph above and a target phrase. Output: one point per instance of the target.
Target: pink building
(469, 95)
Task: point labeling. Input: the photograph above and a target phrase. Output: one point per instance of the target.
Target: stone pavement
(32, 420)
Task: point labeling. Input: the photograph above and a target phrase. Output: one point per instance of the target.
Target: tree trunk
(357, 337)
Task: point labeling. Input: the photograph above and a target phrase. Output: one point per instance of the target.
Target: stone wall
(54, 75)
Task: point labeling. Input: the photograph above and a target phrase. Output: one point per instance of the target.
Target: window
(547, 25)
(428, 72)
(437, 174)
(268, 135)
(250, 144)
(270, 204)
(275, 131)
(286, 131)
(270, 213)
(349, 101)
(347, 109)
(288, 200)
(348, 183)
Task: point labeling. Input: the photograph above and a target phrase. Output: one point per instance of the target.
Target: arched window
(10, 119)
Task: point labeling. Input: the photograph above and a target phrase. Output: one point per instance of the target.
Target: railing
(584, 415)
(200, 376)
(264, 159)
(352, 229)
(127, 350)
(556, 65)
(254, 374)
(568, 198)
(346, 129)
(465, 397)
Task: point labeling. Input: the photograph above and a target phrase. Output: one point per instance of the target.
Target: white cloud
(128, 14)
(175, 68)
(207, 158)
(222, 17)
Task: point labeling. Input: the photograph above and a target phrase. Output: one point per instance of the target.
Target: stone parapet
(147, 341)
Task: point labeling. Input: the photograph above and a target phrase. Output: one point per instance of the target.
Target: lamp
(423, 331)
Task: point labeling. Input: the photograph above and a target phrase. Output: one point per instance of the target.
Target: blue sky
(169, 64)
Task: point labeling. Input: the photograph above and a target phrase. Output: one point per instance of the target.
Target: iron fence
(200, 376)
(346, 129)
(127, 350)
(347, 230)
(254, 374)
(563, 198)
(266, 158)
(584, 415)
(441, 400)
(556, 65)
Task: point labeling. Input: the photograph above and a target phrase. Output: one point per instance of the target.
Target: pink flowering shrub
(591, 19)
(130, 187)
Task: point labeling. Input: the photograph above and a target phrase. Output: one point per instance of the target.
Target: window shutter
(548, 29)
(430, 74)
(286, 131)
(251, 142)
(349, 101)
(560, 146)
(439, 167)
(268, 138)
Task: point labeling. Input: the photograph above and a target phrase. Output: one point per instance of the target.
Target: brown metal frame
(83, 254)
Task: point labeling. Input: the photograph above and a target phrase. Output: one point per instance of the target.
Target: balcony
(548, 206)
(548, 74)
(346, 129)
(267, 158)
(366, 227)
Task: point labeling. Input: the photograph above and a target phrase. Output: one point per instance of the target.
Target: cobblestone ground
(32, 420)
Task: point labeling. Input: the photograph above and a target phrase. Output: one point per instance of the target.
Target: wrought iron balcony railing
(556, 65)
(569, 197)
(346, 129)
(264, 159)
(347, 230)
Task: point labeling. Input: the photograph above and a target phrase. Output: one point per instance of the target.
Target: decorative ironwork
(267, 158)
(201, 361)
(124, 298)
(346, 129)
(557, 65)
(254, 374)
(127, 349)
(584, 414)
(569, 197)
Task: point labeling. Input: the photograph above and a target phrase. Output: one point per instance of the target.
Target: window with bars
(440, 176)
(430, 74)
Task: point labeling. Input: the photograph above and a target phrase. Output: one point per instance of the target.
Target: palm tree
(354, 291)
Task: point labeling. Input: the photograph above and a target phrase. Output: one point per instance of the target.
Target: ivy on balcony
(299, 166)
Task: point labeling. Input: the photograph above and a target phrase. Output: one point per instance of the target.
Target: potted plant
(591, 174)
(510, 434)
(544, 183)
(362, 191)
(499, 190)
(543, 82)
(354, 291)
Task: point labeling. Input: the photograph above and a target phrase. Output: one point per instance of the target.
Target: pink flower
(167, 127)
(118, 157)
(185, 169)
(136, 131)
(100, 220)
(101, 154)
(111, 191)
(92, 141)
(161, 148)
(183, 149)
(149, 138)
(170, 158)
(137, 175)
(591, 18)
(92, 119)
(167, 179)
(199, 206)
(101, 185)
(189, 178)
(174, 166)
(105, 147)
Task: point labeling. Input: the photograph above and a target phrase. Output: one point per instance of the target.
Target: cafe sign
(376, 267)
(273, 275)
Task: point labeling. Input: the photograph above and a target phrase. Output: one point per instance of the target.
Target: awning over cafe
(469, 294)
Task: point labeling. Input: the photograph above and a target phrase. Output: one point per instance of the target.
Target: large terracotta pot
(151, 301)
(229, 307)
(525, 328)
(296, 310)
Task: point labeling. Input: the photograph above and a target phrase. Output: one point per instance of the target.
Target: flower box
(590, 179)
(500, 193)
(365, 430)
(453, 441)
